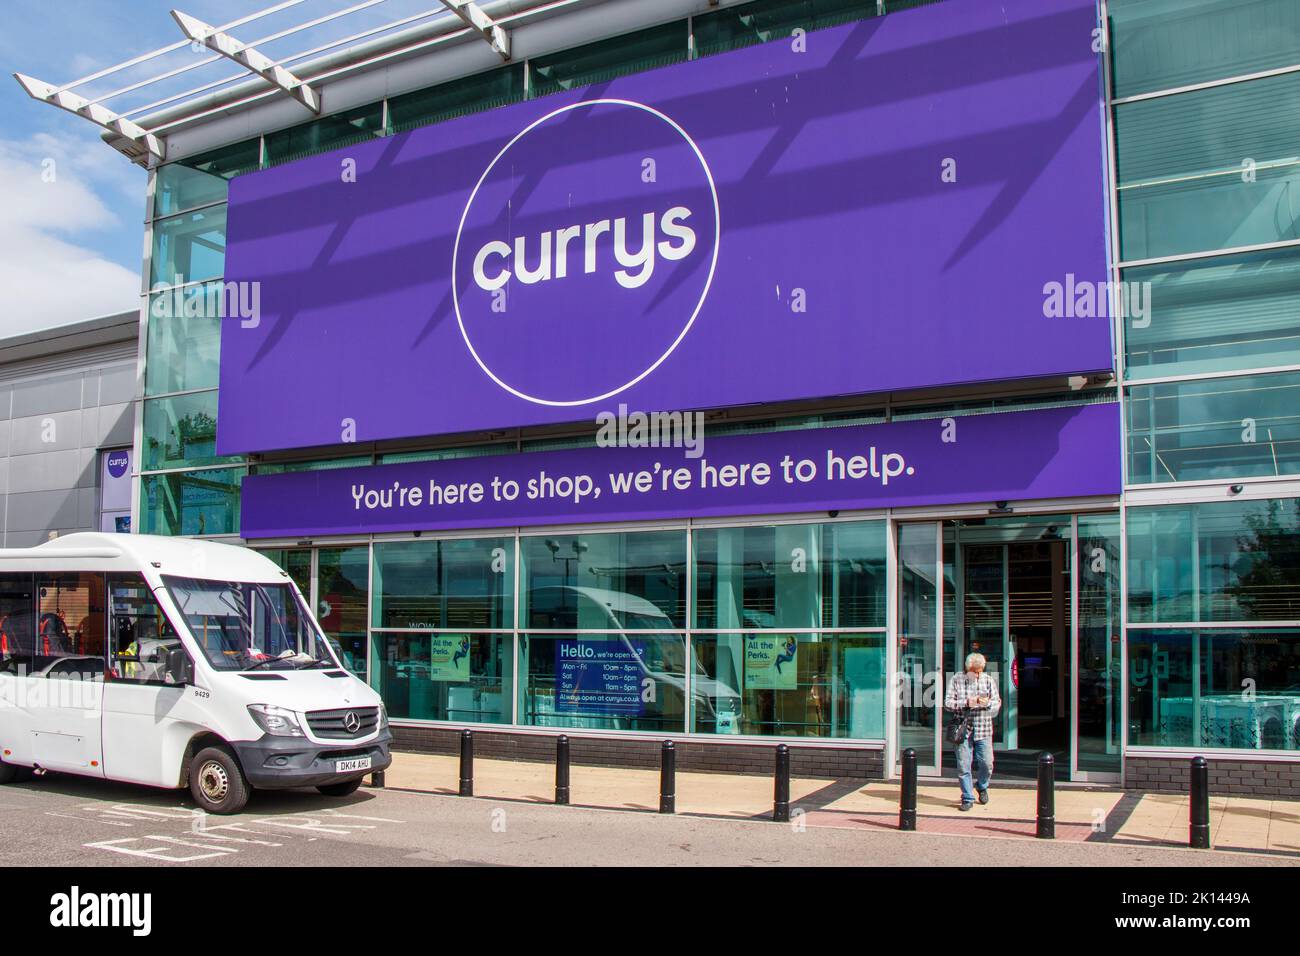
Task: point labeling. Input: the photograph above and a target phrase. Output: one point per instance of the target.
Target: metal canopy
(99, 115)
(473, 16)
(249, 57)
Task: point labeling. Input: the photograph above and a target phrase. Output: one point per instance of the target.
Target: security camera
(1236, 489)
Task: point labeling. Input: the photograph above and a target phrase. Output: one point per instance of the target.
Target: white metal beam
(249, 58)
(99, 115)
(473, 15)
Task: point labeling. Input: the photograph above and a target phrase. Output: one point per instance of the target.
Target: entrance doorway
(1038, 596)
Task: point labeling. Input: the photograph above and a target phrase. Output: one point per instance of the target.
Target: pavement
(1083, 814)
(722, 821)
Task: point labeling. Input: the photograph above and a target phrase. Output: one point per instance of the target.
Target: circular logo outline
(704, 293)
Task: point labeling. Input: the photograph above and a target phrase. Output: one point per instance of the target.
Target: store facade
(952, 329)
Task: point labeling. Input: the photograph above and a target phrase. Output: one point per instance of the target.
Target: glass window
(183, 350)
(229, 161)
(1212, 315)
(470, 94)
(1211, 688)
(464, 584)
(1099, 669)
(181, 431)
(632, 680)
(177, 187)
(631, 580)
(1164, 44)
(330, 132)
(1217, 428)
(445, 676)
(607, 59)
(798, 575)
(249, 626)
(764, 20)
(146, 647)
(280, 468)
(447, 454)
(17, 621)
(190, 247)
(1212, 169)
(297, 562)
(1223, 561)
(342, 597)
(802, 685)
(192, 502)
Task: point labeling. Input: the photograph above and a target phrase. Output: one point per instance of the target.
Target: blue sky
(71, 248)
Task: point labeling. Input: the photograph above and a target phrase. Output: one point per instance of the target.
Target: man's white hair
(971, 659)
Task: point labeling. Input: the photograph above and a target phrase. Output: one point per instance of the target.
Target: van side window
(17, 623)
(146, 648)
(69, 638)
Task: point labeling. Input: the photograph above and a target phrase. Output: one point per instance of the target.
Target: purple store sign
(867, 208)
(1011, 456)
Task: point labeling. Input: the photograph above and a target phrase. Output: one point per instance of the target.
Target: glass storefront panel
(1211, 169)
(183, 350)
(179, 187)
(342, 596)
(462, 584)
(181, 431)
(191, 503)
(189, 248)
(613, 581)
(1099, 667)
(781, 576)
(1165, 44)
(1232, 313)
(440, 675)
(919, 683)
(329, 132)
(1237, 427)
(296, 561)
(800, 685)
(1203, 688)
(632, 680)
(470, 94)
(1220, 561)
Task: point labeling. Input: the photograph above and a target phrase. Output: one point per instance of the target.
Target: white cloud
(52, 192)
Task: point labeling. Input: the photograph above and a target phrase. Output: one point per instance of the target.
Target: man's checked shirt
(965, 685)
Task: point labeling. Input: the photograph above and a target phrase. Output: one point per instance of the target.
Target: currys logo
(117, 463)
(585, 252)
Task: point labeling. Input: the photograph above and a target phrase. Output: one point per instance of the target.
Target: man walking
(973, 697)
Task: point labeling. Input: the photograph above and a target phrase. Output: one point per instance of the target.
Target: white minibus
(175, 663)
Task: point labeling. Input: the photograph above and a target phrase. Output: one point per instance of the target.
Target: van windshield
(247, 626)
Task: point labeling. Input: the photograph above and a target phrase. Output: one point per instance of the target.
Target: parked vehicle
(192, 664)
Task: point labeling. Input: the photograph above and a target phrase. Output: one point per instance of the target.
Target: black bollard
(1046, 797)
(781, 802)
(907, 801)
(562, 770)
(1198, 830)
(377, 780)
(467, 763)
(668, 778)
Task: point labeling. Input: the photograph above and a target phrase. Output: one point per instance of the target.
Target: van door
(62, 692)
(148, 719)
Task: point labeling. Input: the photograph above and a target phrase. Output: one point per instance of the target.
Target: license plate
(350, 766)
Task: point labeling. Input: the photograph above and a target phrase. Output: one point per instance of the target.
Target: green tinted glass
(189, 247)
(482, 91)
(1235, 427)
(1212, 169)
(183, 350)
(765, 20)
(189, 503)
(330, 132)
(1188, 688)
(467, 678)
(1165, 44)
(1224, 314)
(181, 431)
(595, 62)
(466, 583)
(177, 187)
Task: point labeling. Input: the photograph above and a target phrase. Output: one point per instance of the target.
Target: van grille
(332, 724)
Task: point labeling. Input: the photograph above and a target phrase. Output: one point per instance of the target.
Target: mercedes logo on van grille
(351, 722)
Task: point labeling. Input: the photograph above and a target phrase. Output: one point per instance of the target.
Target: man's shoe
(983, 796)
(965, 805)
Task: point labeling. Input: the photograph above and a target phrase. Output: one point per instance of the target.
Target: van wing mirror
(179, 666)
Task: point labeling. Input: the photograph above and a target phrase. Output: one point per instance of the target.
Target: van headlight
(276, 721)
(383, 717)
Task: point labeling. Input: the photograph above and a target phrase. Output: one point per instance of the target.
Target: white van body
(141, 712)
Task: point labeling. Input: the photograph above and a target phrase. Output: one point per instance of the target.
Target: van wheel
(216, 781)
(340, 789)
